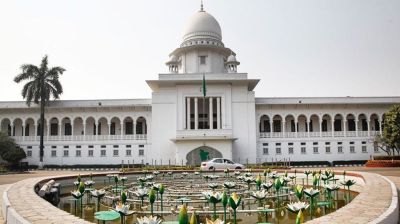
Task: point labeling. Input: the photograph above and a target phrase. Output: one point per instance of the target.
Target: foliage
(389, 142)
(383, 163)
(9, 150)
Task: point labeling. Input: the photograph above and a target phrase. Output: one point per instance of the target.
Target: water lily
(185, 174)
(298, 190)
(213, 197)
(156, 173)
(142, 179)
(217, 221)
(149, 220)
(196, 173)
(98, 193)
(237, 173)
(152, 199)
(259, 196)
(141, 193)
(76, 194)
(212, 177)
(234, 202)
(89, 183)
(248, 180)
(348, 184)
(297, 206)
(122, 208)
(170, 173)
(248, 174)
(149, 177)
(229, 185)
(273, 175)
(307, 172)
(267, 185)
(123, 180)
(213, 185)
(329, 188)
(311, 192)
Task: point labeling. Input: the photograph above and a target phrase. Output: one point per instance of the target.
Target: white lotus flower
(248, 179)
(122, 208)
(156, 173)
(332, 187)
(76, 194)
(98, 193)
(311, 192)
(230, 185)
(89, 183)
(213, 185)
(185, 173)
(297, 206)
(196, 173)
(217, 221)
(123, 178)
(237, 173)
(267, 185)
(273, 175)
(259, 194)
(149, 220)
(213, 196)
(212, 177)
(141, 192)
(149, 177)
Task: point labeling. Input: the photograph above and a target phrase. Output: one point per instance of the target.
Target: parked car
(220, 163)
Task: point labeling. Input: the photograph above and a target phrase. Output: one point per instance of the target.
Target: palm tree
(42, 83)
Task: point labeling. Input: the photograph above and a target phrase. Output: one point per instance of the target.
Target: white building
(177, 123)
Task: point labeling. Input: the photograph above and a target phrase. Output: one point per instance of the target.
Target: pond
(262, 199)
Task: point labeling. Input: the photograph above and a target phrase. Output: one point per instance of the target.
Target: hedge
(383, 163)
(386, 157)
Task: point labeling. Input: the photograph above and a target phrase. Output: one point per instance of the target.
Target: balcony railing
(317, 134)
(81, 138)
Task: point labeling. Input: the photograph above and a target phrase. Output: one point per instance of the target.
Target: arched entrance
(203, 153)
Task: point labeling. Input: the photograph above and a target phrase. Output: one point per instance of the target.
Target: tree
(389, 142)
(9, 151)
(42, 84)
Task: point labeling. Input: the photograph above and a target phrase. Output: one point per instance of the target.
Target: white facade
(179, 122)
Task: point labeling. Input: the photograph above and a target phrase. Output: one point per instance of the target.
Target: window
(265, 144)
(67, 129)
(303, 143)
(327, 143)
(141, 152)
(290, 143)
(217, 160)
(315, 143)
(90, 153)
(66, 146)
(363, 143)
(102, 152)
(290, 150)
(129, 128)
(376, 149)
(53, 146)
(339, 143)
(115, 152)
(66, 153)
(90, 146)
(265, 151)
(128, 152)
(328, 149)
(340, 149)
(53, 153)
(103, 146)
(53, 129)
(129, 146)
(351, 143)
(29, 153)
(352, 149)
(364, 148)
(78, 146)
(315, 150)
(278, 144)
(141, 146)
(278, 150)
(112, 128)
(202, 60)
(115, 146)
(303, 150)
(78, 153)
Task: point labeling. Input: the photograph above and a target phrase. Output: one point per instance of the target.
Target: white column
(72, 128)
(261, 126)
(308, 127)
(34, 130)
(109, 128)
(283, 128)
(188, 113)
(122, 128)
(48, 129)
(296, 125)
(134, 129)
(211, 112)
(84, 128)
(23, 132)
(320, 127)
(356, 121)
(333, 128)
(196, 115)
(345, 127)
(218, 113)
(59, 129)
(368, 128)
(380, 126)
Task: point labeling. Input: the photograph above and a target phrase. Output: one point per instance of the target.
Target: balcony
(336, 134)
(77, 138)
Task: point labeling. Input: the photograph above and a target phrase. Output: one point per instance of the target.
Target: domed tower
(202, 49)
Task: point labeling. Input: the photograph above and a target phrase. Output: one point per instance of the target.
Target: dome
(231, 58)
(202, 25)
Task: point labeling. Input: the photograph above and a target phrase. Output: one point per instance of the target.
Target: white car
(220, 163)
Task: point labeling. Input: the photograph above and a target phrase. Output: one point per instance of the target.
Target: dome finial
(201, 6)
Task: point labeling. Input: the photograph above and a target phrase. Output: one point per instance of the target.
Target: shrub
(383, 163)
(386, 157)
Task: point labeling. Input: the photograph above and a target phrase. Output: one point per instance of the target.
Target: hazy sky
(296, 47)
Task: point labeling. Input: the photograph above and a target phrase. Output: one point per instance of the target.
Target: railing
(317, 134)
(204, 133)
(82, 138)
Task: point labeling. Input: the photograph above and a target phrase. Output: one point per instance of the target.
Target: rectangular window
(352, 149)
(290, 150)
(112, 130)
(66, 146)
(115, 152)
(327, 143)
(68, 129)
(129, 146)
(128, 152)
(351, 143)
(303, 150)
(78, 146)
(364, 148)
(202, 60)
(290, 143)
(103, 152)
(29, 153)
(90, 153)
(339, 143)
(303, 143)
(115, 146)
(141, 152)
(53, 153)
(78, 153)
(340, 149)
(103, 146)
(328, 149)
(141, 146)
(278, 151)
(53, 129)
(315, 150)
(265, 144)
(278, 144)
(53, 146)
(315, 143)
(29, 147)
(376, 149)
(90, 146)
(66, 153)
(265, 151)
(363, 143)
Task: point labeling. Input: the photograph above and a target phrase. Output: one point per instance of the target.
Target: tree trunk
(42, 102)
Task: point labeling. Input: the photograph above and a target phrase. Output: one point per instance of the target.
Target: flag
(203, 86)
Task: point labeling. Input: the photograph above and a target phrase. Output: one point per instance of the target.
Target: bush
(349, 162)
(383, 163)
